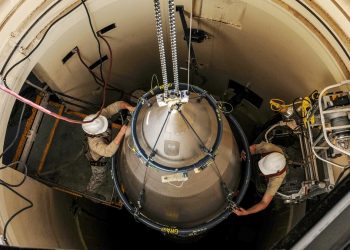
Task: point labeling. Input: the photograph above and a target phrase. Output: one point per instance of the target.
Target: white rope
(156, 77)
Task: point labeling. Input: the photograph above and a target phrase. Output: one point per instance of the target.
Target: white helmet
(98, 126)
(272, 163)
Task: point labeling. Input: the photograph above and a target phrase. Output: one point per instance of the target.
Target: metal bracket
(173, 98)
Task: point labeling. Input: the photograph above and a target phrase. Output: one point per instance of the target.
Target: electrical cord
(10, 186)
(154, 76)
(17, 133)
(87, 67)
(26, 33)
(97, 79)
(39, 43)
(5, 88)
(110, 67)
(24, 177)
(110, 56)
(16, 213)
(44, 90)
(96, 38)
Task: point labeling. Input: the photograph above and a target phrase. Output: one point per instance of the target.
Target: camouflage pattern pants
(97, 178)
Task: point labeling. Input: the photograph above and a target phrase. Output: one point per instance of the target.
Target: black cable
(17, 133)
(79, 106)
(97, 79)
(46, 32)
(18, 212)
(39, 43)
(328, 29)
(97, 40)
(76, 99)
(24, 177)
(51, 92)
(9, 186)
(24, 35)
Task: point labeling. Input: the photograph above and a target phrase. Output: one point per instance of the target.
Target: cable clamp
(208, 152)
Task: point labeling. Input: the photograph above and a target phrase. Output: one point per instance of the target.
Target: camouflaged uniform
(100, 148)
(274, 182)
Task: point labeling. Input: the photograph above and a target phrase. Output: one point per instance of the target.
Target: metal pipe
(32, 132)
(27, 127)
(315, 153)
(310, 155)
(323, 119)
(307, 175)
(34, 86)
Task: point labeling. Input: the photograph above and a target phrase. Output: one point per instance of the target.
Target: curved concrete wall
(278, 47)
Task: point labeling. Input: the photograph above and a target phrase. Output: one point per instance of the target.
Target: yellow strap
(278, 105)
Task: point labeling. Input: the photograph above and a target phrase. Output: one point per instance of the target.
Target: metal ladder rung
(336, 110)
(337, 127)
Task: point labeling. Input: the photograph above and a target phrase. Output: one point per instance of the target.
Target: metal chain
(173, 43)
(161, 45)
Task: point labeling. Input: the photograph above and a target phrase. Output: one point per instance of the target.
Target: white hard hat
(272, 163)
(98, 126)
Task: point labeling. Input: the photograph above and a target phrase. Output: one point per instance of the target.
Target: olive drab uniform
(100, 147)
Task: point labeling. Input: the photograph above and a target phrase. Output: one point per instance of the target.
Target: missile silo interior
(246, 53)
